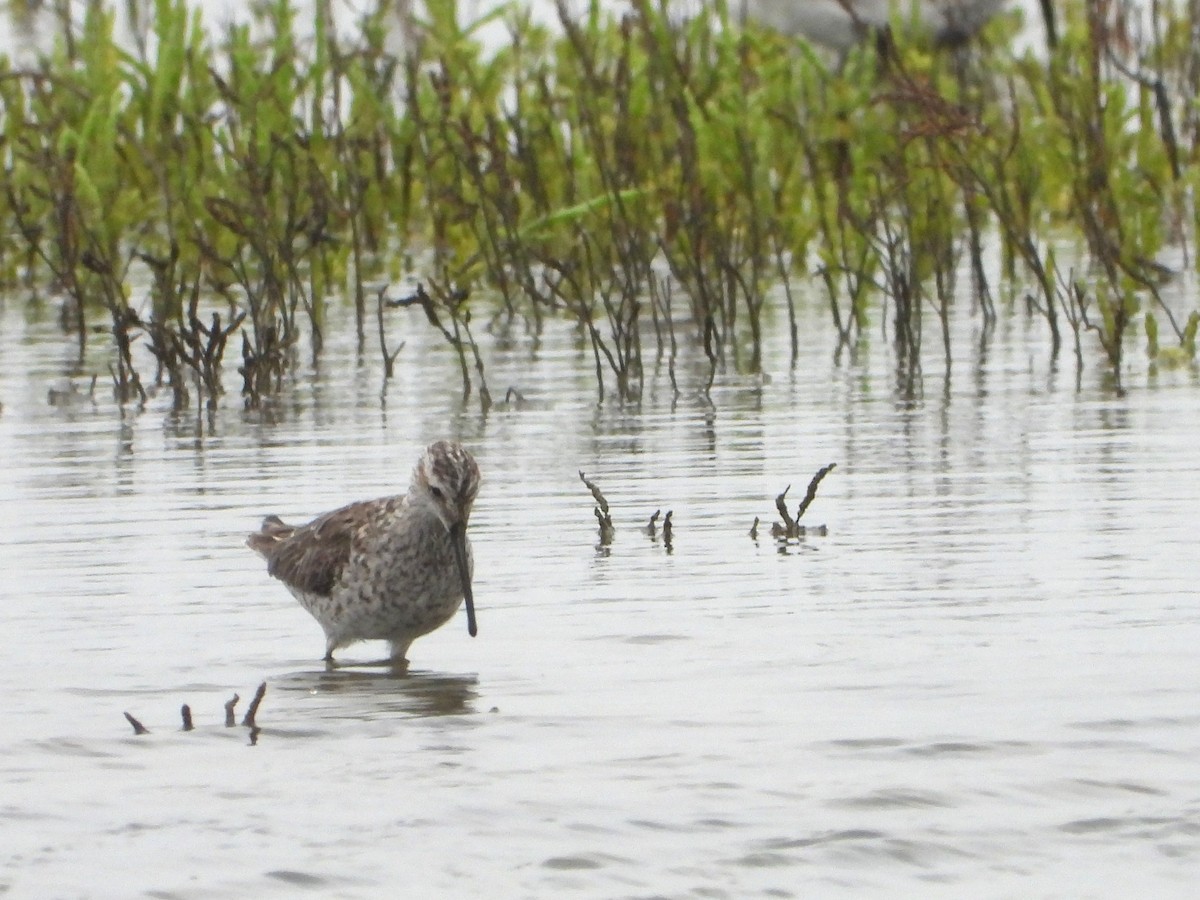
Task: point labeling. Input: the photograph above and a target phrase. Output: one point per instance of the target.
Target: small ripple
(1105, 725)
(852, 843)
(17, 814)
(297, 879)
(895, 798)
(1104, 823)
(576, 862)
(67, 747)
(717, 824)
(149, 691)
(766, 860)
(651, 639)
(965, 748)
(1128, 787)
(867, 743)
(1136, 724)
(651, 825)
(1149, 827)
(933, 748)
(921, 854)
(828, 837)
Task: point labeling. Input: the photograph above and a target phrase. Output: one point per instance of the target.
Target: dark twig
(186, 712)
(603, 504)
(252, 711)
(1162, 104)
(138, 727)
(230, 721)
(606, 526)
(781, 505)
(389, 358)
(791, 527)
(1051, 24)
(811, 493)
(601, 511)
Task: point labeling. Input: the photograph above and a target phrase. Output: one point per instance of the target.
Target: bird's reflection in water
(366, 694)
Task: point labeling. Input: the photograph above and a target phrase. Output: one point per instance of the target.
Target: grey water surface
(983, 681)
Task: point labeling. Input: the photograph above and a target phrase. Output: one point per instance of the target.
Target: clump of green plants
(659, 184)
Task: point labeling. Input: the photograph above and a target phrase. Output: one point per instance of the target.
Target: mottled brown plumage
(391, 569)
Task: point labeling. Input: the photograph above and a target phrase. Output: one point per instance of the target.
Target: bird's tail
(273, 530)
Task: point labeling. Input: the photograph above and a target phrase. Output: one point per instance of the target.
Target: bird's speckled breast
(400, 582)
(425, 578)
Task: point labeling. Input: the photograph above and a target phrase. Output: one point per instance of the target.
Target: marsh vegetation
(663, 185)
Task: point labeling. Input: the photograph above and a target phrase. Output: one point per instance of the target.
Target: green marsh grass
(660, 184)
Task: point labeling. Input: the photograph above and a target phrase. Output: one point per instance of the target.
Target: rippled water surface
(982, 682)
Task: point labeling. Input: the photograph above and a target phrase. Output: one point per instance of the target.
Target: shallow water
(981, 682)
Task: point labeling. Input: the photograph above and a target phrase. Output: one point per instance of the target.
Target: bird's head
(446, 480)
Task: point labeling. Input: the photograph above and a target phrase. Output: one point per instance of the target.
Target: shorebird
(840, 24)
(389, 569)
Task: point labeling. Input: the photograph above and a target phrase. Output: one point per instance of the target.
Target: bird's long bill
(458, 537)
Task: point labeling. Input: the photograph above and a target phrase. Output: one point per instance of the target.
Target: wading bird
(840, 24)
(389, 569)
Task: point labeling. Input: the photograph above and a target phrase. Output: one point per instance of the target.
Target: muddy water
(981, 682)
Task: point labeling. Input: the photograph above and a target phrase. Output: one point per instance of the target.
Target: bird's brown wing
(311, 557)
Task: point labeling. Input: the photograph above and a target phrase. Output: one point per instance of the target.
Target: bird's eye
(437, 492)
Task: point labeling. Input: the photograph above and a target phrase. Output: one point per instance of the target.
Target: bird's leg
(395, 661)
(399, 655)
(330, 646)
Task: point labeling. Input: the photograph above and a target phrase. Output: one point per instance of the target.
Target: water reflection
(369, 694)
